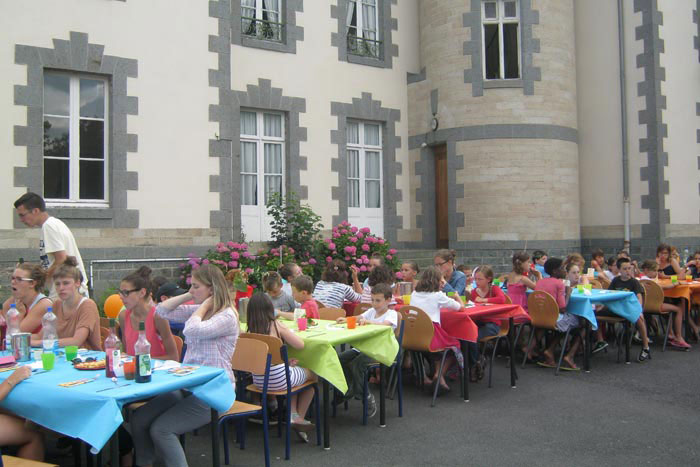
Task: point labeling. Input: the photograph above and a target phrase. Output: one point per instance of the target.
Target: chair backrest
(596, 283)
(178, 343)
(543, 310)
(504, 328)
(508, 300)
(418, 329)
(361, 308)
(250, 355)
(653, 296)
(331, 314)
(274, 345)
(104, 334)
(319, 304)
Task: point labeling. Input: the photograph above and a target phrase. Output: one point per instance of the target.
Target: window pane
(510, 10)
(248, 123)
(273, 184)
(92, 142)
(56, 178)
(510, 50)
(249, 190)
(56, 91)
(56, 137)
(369, 22)
(372, 165)
(273, 158)
(249, 159)
(353, 164)
(92, 98)
(372, 197)
(353, 193)
(353, 132)
(491, 47)
(92, 180)
(490, 10)
(273, 125)
(372, 134)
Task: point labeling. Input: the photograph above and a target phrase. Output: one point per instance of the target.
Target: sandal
(545, 364)
(569, 368)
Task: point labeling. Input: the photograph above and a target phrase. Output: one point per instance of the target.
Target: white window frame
(362, 215)
(500, 20)
(359, 26)
(251, 211)
(259, 18)
(74, 145)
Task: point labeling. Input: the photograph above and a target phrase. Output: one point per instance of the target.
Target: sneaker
(644, 355)
(371, 405)
(600, 345)
(638, 340)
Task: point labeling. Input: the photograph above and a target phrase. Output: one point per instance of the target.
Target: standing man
(56, 243)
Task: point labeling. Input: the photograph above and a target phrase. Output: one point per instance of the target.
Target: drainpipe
(623, 123)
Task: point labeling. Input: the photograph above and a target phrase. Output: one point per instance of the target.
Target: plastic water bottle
(48, 329)
(142, 349)
(112, 350)
(686, 255)
(12, 325)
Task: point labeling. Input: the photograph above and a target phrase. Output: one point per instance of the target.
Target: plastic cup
(450, 294)
(47, 360)
(406, 299)
(301, 324)
(352, 322)
(588, 286)
(674, 279)
(129, 369)
(579, 288)
(71, 352)
(36, 353)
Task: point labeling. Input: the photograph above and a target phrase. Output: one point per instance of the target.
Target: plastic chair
(331, 314)
(418, 334)
(10, 461)
(544, 313)
(251, 356)
(653, 306)
(179, 343)
(278, 352)
(502, 332)
(597, 284)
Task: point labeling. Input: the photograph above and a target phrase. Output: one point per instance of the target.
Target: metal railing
(261, 29)
(364, 47)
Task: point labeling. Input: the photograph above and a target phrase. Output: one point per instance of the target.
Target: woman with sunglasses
(26, 282)
(77, 319)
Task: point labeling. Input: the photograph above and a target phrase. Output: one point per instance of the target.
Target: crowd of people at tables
(211, 325)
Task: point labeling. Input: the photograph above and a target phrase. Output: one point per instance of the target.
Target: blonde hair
(69, 268)
(211, 276)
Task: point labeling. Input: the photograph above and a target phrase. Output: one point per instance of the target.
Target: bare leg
(14, 432)
(642, 327)
(569, 357)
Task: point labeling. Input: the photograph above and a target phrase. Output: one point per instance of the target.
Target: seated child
(288, 272)
(409, 271)
(302, 288)
(484, 292)
(519, 280)
(540, 257)
(650, 271)
(379, 275)
(598, 263)
(272, 285)
(261, 320)
(355, 362)
(612, 270)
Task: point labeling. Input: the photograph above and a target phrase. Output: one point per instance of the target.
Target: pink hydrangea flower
(363, 268)
(206, 261)
(399, 276)
(248, 271)
(246, 254)
(344, 232)
(365, 247)
(380, 241)
(188, 281)
(195, 266)
(233, 264)
(358, 260)
(236, 246)
(353, 239)
(235, 255)
(354, 229)
(331, 246)
(364, 230)
(359, 235)
(366, 260)
(290, 251)
(328, 259)
(335, 235)
(312, 261)
(389, 257)
(392, 251)
(230, 244)
(347, 258)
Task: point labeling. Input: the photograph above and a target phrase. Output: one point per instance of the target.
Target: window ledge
(76, 212)
(366, 60)
(275, 46)
(503, 83)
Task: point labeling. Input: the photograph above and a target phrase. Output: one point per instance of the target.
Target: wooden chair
(418, 334)
(179, 343)
(508, 300)
(319, 304)
(104, 334)
(11, 461)
(251, 356)
(544, 313)
(331, 314)
(597, 284)
(502, 332)
(361, 308)
(278, 353)
(653, 306)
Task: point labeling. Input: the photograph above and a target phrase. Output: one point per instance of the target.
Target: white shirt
(56, 236)
(432, 302)
(389, 315)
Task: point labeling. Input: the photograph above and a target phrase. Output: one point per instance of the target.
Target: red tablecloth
(460, 324)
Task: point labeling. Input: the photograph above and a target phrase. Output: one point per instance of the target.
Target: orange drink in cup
(406, 299)
(352, 322)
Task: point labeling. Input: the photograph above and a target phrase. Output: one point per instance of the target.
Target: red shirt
(555, 288)
(495, 295)
(311, 309)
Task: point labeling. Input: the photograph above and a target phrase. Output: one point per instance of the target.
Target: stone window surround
(367, 109)
(290, 34)
(529, 46)
(386, 24)
(77, 55)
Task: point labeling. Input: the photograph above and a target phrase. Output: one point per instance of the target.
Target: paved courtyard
(637, 414)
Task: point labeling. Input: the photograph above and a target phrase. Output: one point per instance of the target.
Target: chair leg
(399, 388)
(529, 341)
(437, 380)
(563, 351)
(492, 355)
(224, 431)
(288, 427)
(317, 407)
(280, 415)
(365, 391)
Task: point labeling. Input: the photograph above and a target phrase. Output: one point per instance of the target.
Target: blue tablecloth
(83, 412)
(623, 304)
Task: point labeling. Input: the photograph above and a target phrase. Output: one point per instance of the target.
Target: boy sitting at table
(626, 282)
(650, 271)
(302, 288)
(355, 362)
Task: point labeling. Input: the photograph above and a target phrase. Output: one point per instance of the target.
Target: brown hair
(413, 265)
(570, 265)
(36, 273)
(271, 280)
(69, 268)
(519, 259)
(486, 271)
(596, 253)
(286, 270)
(446, 255)
(650, 265)
(303, 284)
(430, 280)
(662, 247)
(261, 314)
(336, 271)
(382, 288)
(574, 258)
(380, 275)
(211, 276)
(141, 279)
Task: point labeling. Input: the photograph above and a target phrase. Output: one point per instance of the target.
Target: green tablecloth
(319, 354)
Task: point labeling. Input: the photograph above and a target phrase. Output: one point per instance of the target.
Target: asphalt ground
(618, 414)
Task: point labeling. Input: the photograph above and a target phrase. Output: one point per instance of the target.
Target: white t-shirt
(432, 302)
(56, 236)
(610, 275)
(390, 315)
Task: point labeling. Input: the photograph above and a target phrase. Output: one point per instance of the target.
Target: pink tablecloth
(460, 324)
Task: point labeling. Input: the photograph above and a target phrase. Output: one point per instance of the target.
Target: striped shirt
(333, 294)
(209, 343)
